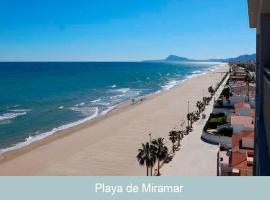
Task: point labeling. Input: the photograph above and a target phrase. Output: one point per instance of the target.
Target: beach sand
(108, 145)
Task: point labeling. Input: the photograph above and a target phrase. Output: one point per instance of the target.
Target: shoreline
(121, 105)
(72, 131)
(12, 154)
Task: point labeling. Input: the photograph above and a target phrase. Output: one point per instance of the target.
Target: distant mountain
(242, 58)
(174, 58)
(171, 58)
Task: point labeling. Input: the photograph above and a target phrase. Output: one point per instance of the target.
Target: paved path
(195, 157)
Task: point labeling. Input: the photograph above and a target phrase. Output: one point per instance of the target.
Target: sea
(38, 99)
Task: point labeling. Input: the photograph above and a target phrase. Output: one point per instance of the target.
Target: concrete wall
(237, 128)
(213, 139)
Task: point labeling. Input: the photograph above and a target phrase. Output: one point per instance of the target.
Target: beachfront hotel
(259, 18)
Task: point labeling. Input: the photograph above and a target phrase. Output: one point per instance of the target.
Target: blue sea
(38, 99)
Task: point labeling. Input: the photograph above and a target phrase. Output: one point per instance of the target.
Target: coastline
(41, 136)
(124, 111)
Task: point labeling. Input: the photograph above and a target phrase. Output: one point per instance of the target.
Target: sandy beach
(108, 145)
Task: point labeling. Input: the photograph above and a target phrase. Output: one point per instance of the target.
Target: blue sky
(123, 30)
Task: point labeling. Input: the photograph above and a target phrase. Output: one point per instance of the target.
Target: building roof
(239, 159)
(249, 126)
(245, 120)
(242, 105)
(241, 145)
(243, 135)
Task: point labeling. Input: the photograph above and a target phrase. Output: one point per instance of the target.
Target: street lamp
(188, 113)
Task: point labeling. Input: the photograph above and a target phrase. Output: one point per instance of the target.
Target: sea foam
(120, 90)
(96, 100)
(7, 116)
(170, 85)
(33, 138)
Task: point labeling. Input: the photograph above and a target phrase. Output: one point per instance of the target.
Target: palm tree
(227, 94)
(211, 91)
(188, 129)
(146, 156)
(205, 100)
(191, 118)
(173, 138)
(161, 151)
(198, 105)
(179, 136)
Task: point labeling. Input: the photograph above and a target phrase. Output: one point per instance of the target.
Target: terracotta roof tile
(242, 105)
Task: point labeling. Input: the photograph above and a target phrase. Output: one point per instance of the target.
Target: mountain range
(174, 58)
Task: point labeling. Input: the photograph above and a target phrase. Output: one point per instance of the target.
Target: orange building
(242, 153)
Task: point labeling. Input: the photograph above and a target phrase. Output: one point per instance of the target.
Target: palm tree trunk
(147, 170)
(151, 172)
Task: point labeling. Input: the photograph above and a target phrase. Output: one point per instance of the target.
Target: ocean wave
(96, 100)
(197, 72)
(120, 90)
(8, 116)
(192, 76)
(117, 96)
(14, 106)
(170, 84)
(33, 138)
(61, 107)
(104, 112)
(20, 110)
(132, 93)
(80, 104)
(103, 103)
(113, 86)
(86, 111)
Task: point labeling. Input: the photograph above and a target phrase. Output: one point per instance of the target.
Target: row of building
(236, 159)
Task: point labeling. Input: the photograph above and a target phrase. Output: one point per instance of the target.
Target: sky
(123, 30)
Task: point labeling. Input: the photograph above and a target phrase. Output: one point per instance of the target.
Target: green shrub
(217, 120)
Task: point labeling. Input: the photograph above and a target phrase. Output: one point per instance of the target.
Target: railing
(267, 73)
